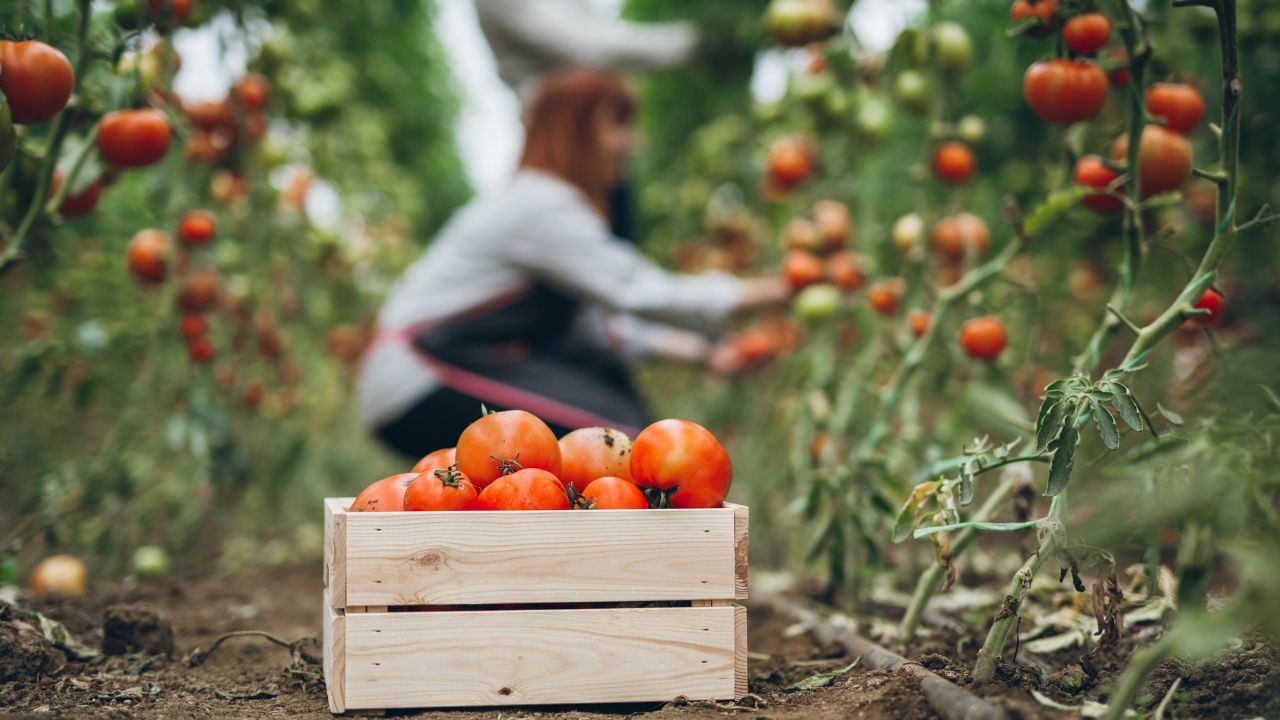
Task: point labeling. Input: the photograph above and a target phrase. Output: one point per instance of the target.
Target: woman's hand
(762, 292)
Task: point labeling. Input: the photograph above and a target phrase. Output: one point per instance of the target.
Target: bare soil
(251, 677)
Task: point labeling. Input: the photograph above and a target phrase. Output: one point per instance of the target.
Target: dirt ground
(249, 677)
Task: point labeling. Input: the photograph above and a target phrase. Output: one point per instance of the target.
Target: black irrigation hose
(947, 699)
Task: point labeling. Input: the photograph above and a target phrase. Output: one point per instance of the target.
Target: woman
(525, 300)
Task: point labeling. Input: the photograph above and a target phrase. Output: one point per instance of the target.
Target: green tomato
(835, 103)
(972, 129)
(8, 136)
(128, 15)
(955, 49)
(150, 561)
(912, 90)
(816, 303)
(874, 117)
(811, 87)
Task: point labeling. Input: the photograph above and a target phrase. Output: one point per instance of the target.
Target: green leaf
(1173, 417)
(1049, 422)
(1106, 425)
(1064, 456)
(1122, 400)
(906, 520)
(965, 495)
(1057, 388)
(821, 680)
(1056, 204)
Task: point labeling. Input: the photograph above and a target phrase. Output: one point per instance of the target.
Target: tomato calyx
(578, 501)
(658, 498)
(508, 466)
(449, 476)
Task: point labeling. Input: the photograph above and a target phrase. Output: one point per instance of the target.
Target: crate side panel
(539, 556)
(539, 657)
(335, 551)
(335, 655)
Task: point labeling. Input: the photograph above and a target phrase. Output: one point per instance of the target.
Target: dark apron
(520, 355)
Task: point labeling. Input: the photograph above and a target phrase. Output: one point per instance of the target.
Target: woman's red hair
(560, 128)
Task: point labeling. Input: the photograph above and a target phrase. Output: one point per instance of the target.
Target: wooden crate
(532, 608)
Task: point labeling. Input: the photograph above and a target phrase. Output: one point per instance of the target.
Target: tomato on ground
(1091, 172)
(1179, 104)
(983, 338)
(503, 442)
(530, 489)
(36, 79)
(614, 493)
(1087, 33)
(435, 460)
(440, 489)
(954, 162)
(385, 495)
(133, 138)
(1065, 91)
(593, 452)
(683, 463)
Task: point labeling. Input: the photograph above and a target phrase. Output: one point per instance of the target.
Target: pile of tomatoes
(511, 460)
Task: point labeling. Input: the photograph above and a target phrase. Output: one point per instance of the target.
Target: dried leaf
(821, 680)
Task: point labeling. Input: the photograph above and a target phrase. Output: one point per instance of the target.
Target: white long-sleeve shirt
(537, 228)
(530, 38)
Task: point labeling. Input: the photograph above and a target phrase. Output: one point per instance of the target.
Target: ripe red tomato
(1179, 104)
(592, 452)
(200, 350)
(503, 442)
(197, 227)
(833, 222)
(801, 269)
(440, 489)
(1091, 172)
(789, 162)
(614, 493)
(844, 272)
(148, 254)
(957, 235)
(1212, 301)
(199, 291)
(1119, 74)
(754, 347)
(79, 204)
(435, 460)
(1065, 91)
(919, 321)
(252, 91)
(133, 138)
(1044, 11)
(683, 462)
(954, 162)
(385, 495)
(192, 325)
(530, 489)
(36, 79)
(209, 115)
(253, 393)
(1087, 33)
(983, 338)
(886, 295)
(175, 11)
(1164, 159)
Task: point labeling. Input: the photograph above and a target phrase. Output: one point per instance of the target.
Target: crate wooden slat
(440, 653)
(535, 557)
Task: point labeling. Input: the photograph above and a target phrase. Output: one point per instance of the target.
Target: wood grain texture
(740, 651)
(334, 636)
(335, 550)
(535, 657)
(403, 558)
(741, 550)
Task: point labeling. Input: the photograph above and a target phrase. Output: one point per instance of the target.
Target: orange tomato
(683, 462)
(148, 254)
(385, 495)
(440, 489)
(197, 227)
(885, 296)
(983, 338)
(1164, 159)
(954, 162)
(529, 489)
(1179, 104)
(919, 321)
(844, 271)
(503, 442)
(435, 460)
(614, 493)
(958, 235)
(593, 452)
(802, 269)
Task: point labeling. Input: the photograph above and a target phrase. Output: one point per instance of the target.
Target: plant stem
(13, 252)
(1140, 665)
(989, 655)
(931, 580)
(73, 172)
